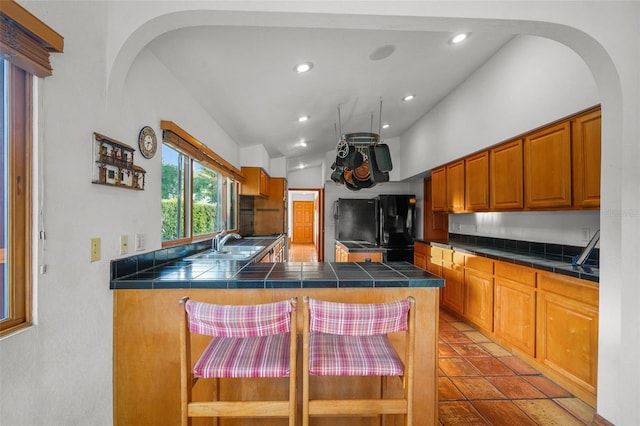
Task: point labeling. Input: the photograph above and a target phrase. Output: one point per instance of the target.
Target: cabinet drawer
(479, 263)
(458, 258)
(572, 288)
(516, 273)
(437, 253)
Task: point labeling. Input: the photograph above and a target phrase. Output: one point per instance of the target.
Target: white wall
(530, 82)
(255, 156)
(309, 177)
(59, 371)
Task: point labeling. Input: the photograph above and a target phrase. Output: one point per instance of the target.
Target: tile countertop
(361, 246)
(173, 269)
(522, 256)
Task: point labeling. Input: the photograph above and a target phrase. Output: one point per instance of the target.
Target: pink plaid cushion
(239, 320)
(259, 356)
(335, 355)
(358, 319)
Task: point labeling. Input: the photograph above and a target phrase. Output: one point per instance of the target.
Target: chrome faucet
(215, 242)
(226, 238)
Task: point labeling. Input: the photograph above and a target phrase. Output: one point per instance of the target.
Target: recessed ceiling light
(303, 118)
(385, 126)
(408, 98)
(302, 68)
(458, 38)
(301, 166)
(302, 143)
(382, 52)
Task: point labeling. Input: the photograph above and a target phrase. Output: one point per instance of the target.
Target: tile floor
(481, 383)
(302, 253)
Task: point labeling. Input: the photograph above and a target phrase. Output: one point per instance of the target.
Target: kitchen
(129, 100)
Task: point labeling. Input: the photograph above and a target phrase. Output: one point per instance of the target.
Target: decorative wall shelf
(114, 164)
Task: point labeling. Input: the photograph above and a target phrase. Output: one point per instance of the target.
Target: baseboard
(598, 420)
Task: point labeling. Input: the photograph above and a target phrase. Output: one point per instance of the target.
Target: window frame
(25, 47)
(18, 254)
(196, 152)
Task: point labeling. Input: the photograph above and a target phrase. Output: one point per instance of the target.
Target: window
(16, 197)
(199, 190)
(23, 55)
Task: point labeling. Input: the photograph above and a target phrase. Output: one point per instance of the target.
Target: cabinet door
(256, 182)
(586, 142)
(420, 255)
(478, 291)
(515, 305)
(547, 167)
(434, 261)
(455, 186)
(476, 180)
(568, 338)
(453, 291)
(506, 176)
(436, 224)
(515, 314)
(439, 189)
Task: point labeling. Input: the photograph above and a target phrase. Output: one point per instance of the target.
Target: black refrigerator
(396, 221)
(355, 220)
(386, 221)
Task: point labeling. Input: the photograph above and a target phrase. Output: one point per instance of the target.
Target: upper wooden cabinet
(506, 176)
(439, 189)
(476, 182)
(270, 214)
(256, 182)
(455, 187)
(547, 167)
(586, 141)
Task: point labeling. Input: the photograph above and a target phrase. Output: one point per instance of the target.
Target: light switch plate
(95, 249)
(124, 244)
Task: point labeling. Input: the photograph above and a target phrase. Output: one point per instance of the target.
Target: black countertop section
(547, 257)
(356, 246)
(143, 272)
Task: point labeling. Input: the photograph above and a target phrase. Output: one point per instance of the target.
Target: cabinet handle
(19, 185)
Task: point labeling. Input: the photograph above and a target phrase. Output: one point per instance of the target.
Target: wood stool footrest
(357, 407)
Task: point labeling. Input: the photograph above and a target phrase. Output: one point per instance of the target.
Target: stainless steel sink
(230, 253)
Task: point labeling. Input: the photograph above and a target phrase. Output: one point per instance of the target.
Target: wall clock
(147, 142)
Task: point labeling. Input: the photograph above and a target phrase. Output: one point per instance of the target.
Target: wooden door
(547, 167)
(515, 306)
(455, 186)
(478, 291)
(506, 176)
(586, 151)
(439, 189)
(476, 182)
(303, 221)
(436, 224)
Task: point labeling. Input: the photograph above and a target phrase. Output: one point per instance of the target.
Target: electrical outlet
(95, 249)
(586, 234)
(124, 244)
(140, 242)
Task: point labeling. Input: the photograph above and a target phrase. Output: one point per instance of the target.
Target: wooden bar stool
(249, 341)
(341, 339)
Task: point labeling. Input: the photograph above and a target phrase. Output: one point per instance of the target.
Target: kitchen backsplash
(567, 252)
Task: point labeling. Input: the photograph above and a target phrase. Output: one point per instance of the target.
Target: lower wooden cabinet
(550, 319)
(453, 274)
(515, 306)
(567, 332)
(420, 254)
(344, 255)
(478, 291)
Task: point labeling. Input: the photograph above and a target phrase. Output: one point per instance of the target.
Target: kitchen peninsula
(148, 287)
